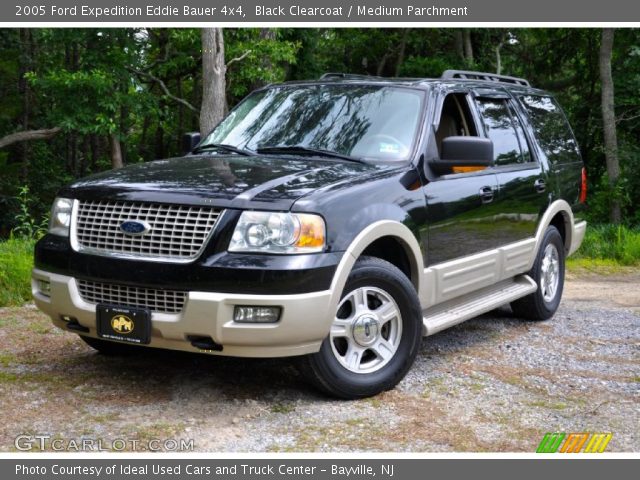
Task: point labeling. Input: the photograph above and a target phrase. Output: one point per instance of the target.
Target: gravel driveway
(491, 384)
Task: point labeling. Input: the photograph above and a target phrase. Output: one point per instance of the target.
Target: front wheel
(375, 334)
(548, 273)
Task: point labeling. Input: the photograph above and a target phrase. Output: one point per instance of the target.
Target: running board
(463, 308)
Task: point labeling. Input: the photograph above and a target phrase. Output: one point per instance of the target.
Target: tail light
(583, 186)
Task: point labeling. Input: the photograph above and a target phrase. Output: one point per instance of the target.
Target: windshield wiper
(224, 146)
(301, 149)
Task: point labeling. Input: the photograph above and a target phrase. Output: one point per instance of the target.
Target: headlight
(60, 216)
(276, 232)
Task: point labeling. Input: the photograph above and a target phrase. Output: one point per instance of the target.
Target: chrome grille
(177, 232)
(161, 301)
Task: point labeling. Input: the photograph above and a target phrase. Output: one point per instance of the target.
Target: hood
(222, 180)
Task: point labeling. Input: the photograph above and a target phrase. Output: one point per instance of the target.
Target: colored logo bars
(574, 442)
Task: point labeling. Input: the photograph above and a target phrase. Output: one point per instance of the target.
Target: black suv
(338, 220)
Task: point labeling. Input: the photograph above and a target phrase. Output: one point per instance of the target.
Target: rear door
(556, 146)
(522, 185)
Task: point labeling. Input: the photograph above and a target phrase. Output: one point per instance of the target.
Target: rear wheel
(548, 273)
(375, 333)
(109, 348)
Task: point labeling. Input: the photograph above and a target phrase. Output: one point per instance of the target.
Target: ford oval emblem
(134, 227)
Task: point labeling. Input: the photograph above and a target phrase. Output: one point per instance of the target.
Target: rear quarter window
(551, 128)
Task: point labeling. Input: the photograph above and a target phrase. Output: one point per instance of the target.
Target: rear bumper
(577, 236)
(304, 322)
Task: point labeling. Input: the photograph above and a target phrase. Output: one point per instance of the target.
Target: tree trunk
(401, 51)
(498, 59)
(609, 121)
(265, 62)
(159, 140)
(73, 152)
(458, 43)
(382, 64)
(116, 151)
(214, 102)
(196, 99)
(468, 47)
(95, 152)
(25, 66)
(142, 146)
(84, 157)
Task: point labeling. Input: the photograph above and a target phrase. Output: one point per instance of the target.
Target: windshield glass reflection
(361, 121)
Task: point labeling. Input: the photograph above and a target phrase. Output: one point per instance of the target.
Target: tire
(548, 270)
(372, 346)
(111, 349)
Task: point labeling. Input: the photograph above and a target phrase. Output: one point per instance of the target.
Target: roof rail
(488, 77)
(346, 76)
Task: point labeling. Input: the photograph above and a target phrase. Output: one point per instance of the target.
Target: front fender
(368, 235)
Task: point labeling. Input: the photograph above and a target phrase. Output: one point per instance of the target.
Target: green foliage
(16, 262)
(27, 226)
(611, 242)
(95, 107)
(603, 196)
(425, 66)
(266, 58)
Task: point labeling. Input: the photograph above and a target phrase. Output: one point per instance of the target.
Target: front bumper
(305, 319)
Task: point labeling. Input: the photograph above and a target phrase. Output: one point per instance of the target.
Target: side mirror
(463, 152)
(189, 141)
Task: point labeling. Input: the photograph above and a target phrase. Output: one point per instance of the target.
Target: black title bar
(315, 11)
(315, 469)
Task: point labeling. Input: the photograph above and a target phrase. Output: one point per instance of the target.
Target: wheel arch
(560, 215)
(372, 238)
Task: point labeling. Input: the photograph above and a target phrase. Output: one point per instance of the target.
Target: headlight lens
(60, 217)
(277, 232)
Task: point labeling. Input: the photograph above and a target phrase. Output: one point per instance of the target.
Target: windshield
(360, 121)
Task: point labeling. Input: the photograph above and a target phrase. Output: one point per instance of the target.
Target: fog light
(253, 314)
(44, 288)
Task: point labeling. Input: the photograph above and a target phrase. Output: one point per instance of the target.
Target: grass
(16, 261)
(610, 245)
(283, 407)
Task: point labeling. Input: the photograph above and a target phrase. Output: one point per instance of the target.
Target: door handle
(486, 194)
(540, 185)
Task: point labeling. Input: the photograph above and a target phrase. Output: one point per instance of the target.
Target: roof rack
(346, 76)
(487, 77)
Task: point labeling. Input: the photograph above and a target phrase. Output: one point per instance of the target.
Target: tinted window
(366, 121)
(524, 146)
(552, 130)
(500, 126)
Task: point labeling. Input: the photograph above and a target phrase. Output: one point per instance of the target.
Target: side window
(505, 130)
(455, 119)
(552, 129)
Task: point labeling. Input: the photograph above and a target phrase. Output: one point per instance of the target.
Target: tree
(214, 104)
(609, 121)
(468, 46)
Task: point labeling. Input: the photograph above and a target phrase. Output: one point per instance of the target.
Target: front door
(459, 205)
